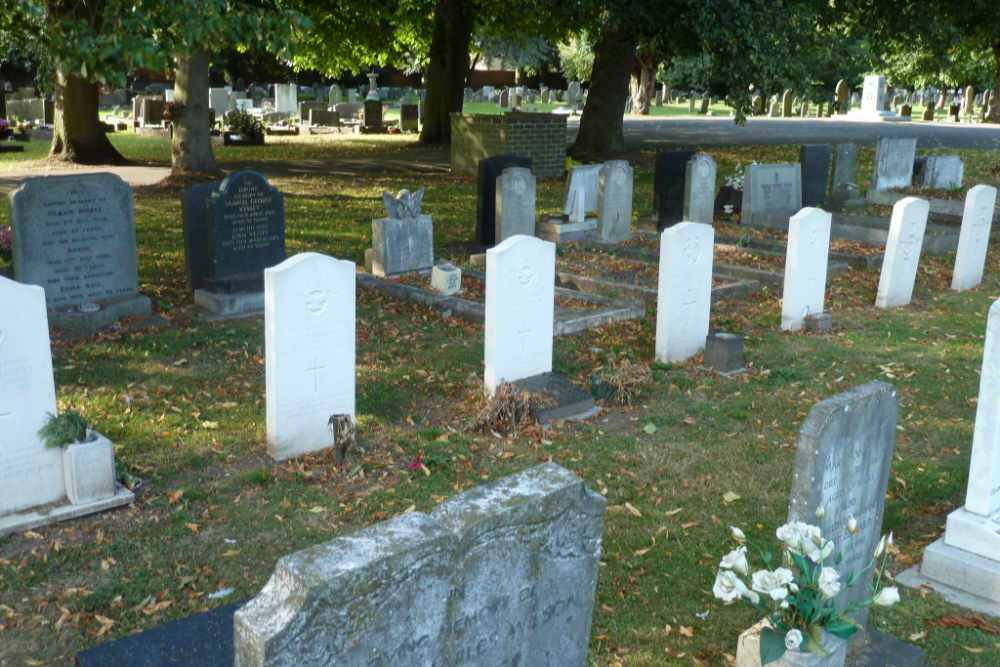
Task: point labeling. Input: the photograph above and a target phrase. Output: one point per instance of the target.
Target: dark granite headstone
(815, 161)
(668, 187)
(194, 209)
(409, 117)
(373, 114)
(489, 169)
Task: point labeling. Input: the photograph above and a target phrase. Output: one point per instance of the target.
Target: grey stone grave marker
(942, 171)
(489, 170)
(403, 241)
(409, 117)
(614, 201)
(515, 203)
(771, 192)
(894, 163)
(699, 189)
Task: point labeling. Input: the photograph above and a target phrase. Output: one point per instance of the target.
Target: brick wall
(540, 136)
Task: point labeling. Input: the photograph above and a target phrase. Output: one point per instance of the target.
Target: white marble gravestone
(684, 290)
(873, 98)
(286, 98)
(30, 473)
(515, 203)
(699, 189)
(309, 340)
(582, 191)
(902, 252)
(894, 163)
(805, 267)
(520, 290)
(974, 238)
(614, 201)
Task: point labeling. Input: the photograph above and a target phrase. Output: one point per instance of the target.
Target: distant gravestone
(845, 160)
(573, 93)
(373, 114)
(699, 189)
(804, 288)
(336, 95)
(30, 473)
(874, 100)
(928, 112)
(491, 573)
(942, 171)
(306, 107)
(409, 117)
(842, 93)
(771, 190)
(684, 291)
(582, 188)
(515, 203)
(967, 101)
(309, 341)
(286, 98)
(757, 105)
(974, 237)
(786, 104)
(520, 288)
(218, 101)
(324, 118)
(403, 241)
(668, 187)
(489, 170)
(842, 464)
(894, 163)
(902, 252)
(614, 201)
(504, 100)
(815, 161)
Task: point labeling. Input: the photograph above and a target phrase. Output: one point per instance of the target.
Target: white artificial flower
(793, 639)
(829, 582)
(784, 604)
(887, 597)
(852, 525)
(736, 560)
(818, 549)
(820, 512)
(771, 583)
(729, 587)
(793, 587)
(737, 534)
(803, 538)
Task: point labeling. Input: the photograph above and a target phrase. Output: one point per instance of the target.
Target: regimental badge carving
(525, 276)
(316, 301)
(692, 250)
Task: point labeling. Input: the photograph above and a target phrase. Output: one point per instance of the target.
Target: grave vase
(748, 651)
(89, 469)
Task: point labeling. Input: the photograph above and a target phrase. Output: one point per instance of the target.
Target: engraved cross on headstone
(315, 369)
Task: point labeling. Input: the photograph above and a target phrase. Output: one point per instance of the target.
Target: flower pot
(89, 469)
(748, 651)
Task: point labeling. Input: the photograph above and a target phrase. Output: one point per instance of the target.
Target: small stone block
(558, 230)
(446, 278)
(563, 399)
(724, 352)
(819, 323)
(89, 470)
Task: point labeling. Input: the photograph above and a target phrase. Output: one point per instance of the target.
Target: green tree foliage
(576, 56)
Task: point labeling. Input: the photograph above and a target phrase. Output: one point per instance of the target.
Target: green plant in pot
(88, 457)
(249, 128)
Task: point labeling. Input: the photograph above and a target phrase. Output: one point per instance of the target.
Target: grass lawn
(696, 454)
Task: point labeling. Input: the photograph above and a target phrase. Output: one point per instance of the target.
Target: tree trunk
(643, 82)
(994, 111)
(191, 147)
(78, 135)
(601, 123)
(447, 68)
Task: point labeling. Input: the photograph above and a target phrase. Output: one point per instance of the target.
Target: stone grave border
(62, 510)
(946, 212)
(767, 246)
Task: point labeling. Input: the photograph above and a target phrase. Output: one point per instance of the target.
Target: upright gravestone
(786, 104)
(684, 291)
(668, 187)
(520, 288)
(699, 189)
(805, 267)
(75, 237)
(942, 171)
(573, 93)
(771, 193)
(894, 163)
(815, 161)
(967, 101)
(336, 95)
(493, 572)
(504, 99)
(842, 93)
(515, 203)
(373, 115)
(308, 351)
(286, 97)
(974, 237)
(873, 100)
(614, 201)
(403, 241)
(305, 108)
(489, 170)
(928, 111)
(409, 117)
(845, 160)
(582, 188)
(30, 473)
(902, 252)
(842, 464)
(218, 101)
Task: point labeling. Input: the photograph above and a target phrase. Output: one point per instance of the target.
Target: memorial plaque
(489, 170)
(373, 114)
(668, 187)
(815, 161)
(699, 189)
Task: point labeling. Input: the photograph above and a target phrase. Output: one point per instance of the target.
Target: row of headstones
(516, 95)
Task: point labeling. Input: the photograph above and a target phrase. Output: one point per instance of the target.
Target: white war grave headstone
(515, 203)
(805, 267)
(894, 163)
(974, 237)
(520, 291)
(902, 252)
(309, 340)
(684, 291)
(614, 201)
(699, 189)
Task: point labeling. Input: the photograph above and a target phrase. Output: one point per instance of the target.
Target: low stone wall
(540, 136)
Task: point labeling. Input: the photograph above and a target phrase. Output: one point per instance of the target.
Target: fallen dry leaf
(631, 508)
(686, 631)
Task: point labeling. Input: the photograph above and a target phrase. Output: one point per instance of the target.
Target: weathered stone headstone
(668, 187)
(573, 93)
(902, 252)
(409, 117)
(30, 473)
(842, 93)
(967, 101)
(336, 95)
(757, 105)
(493, 572)
(842, 464)
(614, 201)
(773, 190)
(218, 101)
(929, 112)
(515, 203)
(815, 161)
(489, 170)
(582, 188)
(699, 189)
(942, 171)
(446, 278)
(805, 267)
(845, 160)
(373, 114)
(974, 237)
(684, 291)
(874, 100)
(324, 118)
(306, 107)
(520, 288)
(75, 237)
(309, 342)
(894, 163)
(403, 241)
(504, 100)
(786, 104)
(286, 97)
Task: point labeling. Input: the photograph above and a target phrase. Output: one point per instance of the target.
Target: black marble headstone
(194, 207)
(489, 169)
(668, 187)
(373, 113)
(815, 161)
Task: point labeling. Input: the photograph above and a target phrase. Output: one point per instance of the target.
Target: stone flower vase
(748, 651)
(89, 469)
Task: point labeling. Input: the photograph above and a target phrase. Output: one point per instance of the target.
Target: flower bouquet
(800, 595)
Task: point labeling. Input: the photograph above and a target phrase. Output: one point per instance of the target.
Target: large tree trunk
(78, 135)
(447, 68)
(191, 147)
(601, 123)
(643, 82)
(994, 115)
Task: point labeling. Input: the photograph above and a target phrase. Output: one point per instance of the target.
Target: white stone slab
(446, 278)
(873, 94)
(614, 201)
(983, 494)
(520, 288)
(961, 577)
(894, 163)
(582, 179)
(30, 473)
(309, 341)
(943, 171)
(515, 203)
(684, 290)
(805, 267)
(902, 252)
(286, 98)
(974, 238)
(699, 189)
